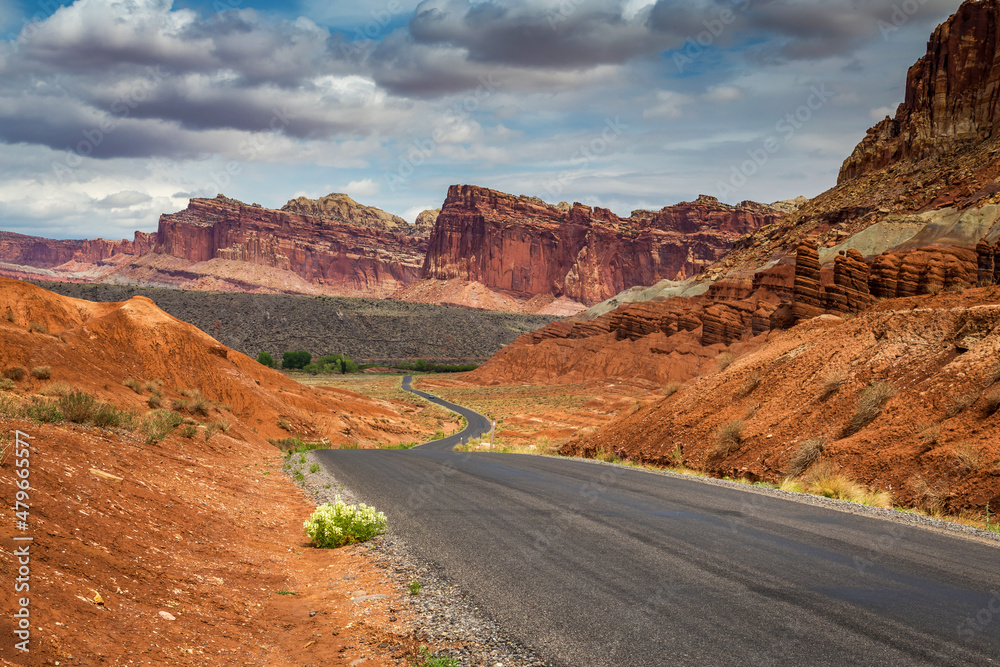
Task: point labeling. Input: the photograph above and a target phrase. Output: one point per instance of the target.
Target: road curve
(596, 565)
(476, 424)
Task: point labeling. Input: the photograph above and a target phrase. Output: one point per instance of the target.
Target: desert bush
(285, 425)
(189, 431)
(200, 405)
(295, 359)
(312, 368)
(930, 497)
(153, 385)
(56, 389)
(752, 382)
(180, 405)
(15, 373)
(831, 384)
(670, 389)
(723, 361)
(213, 427)
(265, 359)
(991, 402)
(332, 526)
(77, 407)
(37, 327)
(6, 384)
(929, 436)
(133, 384)
(41, 372)
(967, 459)
(805, 455)
(957, 403)
(10, 315)
(869, 406)
(608, 457)
(159, 423)
(727, 436)
(155, 400)
(44, 412)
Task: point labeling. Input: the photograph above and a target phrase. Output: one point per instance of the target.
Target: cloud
(668, 105)
(124, 199)
(881, 112)
(722, 94)
(363, 188)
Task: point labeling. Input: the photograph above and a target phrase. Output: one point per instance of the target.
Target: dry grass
(670, 389)
(827, 481)
(930, 497)
(155, 400)
(957, 403)
(967, 459)
(15, 373)
(752, 382)
(727, 437)
(869, 406)
(929, 436)
(41, 372)
(133, 384)
(831, 384)
(724, 360)
(805, 455)
(37, 327)
(56, 389)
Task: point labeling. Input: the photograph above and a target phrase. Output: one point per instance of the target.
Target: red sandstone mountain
(526, 247)
(487, 250)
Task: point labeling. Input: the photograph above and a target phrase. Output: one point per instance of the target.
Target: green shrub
(295, 359)
(314, 468)
(332, 526)
(159, 423)
(189, 431)
(41, 372)
(869, 406)
(155, 400)
(45, 412)
(265, 359)
(312, 368)
(77, 407)
(415, 587)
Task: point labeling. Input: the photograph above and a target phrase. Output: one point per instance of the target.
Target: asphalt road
(597, 565)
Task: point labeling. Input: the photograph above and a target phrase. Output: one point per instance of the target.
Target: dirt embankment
(934, 443)
(192, 540)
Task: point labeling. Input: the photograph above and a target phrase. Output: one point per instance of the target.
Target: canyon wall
(528, 247)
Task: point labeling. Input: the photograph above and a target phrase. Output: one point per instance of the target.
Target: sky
(113, 112)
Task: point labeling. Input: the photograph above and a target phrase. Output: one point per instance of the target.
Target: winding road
(595, 565)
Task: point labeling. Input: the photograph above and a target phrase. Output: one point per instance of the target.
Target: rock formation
(425, 221)
(341, 208)
(525, 246)
(952, 94)
(48, 253)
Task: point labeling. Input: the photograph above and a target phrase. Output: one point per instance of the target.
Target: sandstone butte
(202, 525)
(892, 276)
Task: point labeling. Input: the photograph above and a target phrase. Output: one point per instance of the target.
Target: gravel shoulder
(442, 614)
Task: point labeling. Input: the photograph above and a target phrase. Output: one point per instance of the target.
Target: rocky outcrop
(424, 224)
(923, 271)
(349, 260)
(807, 301)
(341, 208)
(952, 95)
(525, 246)
(850, 292)
(49, 253)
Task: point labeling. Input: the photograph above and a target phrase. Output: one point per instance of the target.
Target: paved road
(476, 424)
(598, 565)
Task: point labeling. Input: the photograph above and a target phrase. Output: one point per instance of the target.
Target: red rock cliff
(952, 95)
(48, 253)
(528, 247)
(351, 259)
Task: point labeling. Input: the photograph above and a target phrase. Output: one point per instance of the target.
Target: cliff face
(48, 253)
(346, 258)
(952, 95)
(528, 247)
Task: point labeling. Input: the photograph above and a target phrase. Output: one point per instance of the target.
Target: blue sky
(115, 111)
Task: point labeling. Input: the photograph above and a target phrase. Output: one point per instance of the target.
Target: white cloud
(722, 94)
(363, 188)
(668, 105)
(881, 112)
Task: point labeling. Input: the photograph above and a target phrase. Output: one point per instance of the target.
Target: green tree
(295, 359)
(265, 359)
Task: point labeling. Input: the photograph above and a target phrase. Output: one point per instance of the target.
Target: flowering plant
(332, 526)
